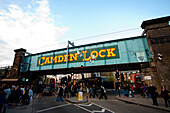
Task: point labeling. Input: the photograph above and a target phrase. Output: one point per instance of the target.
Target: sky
(44, 25)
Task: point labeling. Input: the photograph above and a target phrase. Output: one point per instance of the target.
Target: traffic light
(82, 68)
(26, 79)
(117, 74)
(65, 79)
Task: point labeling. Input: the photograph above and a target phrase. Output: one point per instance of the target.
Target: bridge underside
(107, 68)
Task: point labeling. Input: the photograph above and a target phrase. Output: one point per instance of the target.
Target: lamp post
(72, 44)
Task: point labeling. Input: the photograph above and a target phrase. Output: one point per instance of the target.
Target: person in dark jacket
(60, 94)
(103, 93)
(94, 91)
(151, 90)
(2, 99)
(164, 93)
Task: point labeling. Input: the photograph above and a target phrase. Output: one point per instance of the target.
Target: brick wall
(158, 36)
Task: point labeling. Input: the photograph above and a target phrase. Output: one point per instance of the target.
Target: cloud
(25, 29)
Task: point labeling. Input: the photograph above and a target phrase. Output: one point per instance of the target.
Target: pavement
(147, 102)
(137, 100)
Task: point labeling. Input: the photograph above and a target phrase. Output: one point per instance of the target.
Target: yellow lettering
(110, 52)
(97, 54)
(55, 59)
(60, 58)
(100, 53)
(73, 56)
(43, 58)
(51, 61)
(84, 56)
(47, 60)
(65, 57)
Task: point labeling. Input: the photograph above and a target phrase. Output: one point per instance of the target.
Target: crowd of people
(21, 95)
(67, 91)
(11, 94)
(149, 92)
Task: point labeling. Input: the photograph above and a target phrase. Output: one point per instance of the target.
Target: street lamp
(72, 44)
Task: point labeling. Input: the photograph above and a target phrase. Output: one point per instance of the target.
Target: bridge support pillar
(158, 37)
(17, 64)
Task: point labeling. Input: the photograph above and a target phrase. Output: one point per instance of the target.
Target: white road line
(102, 111)
(85, 104)
(51, 108)
(83, 108)
(103, 107)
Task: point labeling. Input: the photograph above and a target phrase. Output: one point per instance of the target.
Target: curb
(74, 102)
(78, 102)
(136, 103)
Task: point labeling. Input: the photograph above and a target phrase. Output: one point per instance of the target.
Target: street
(48, 104)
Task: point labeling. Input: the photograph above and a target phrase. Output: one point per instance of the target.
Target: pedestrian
(7, 90)
(144, 90)
(164, 93)
(132, 90)
(66, 94)
(128, 89)
(103, 92)
(23, 95)
(58, 89)
(94, 91)
(27, 98)
(31, 94)
(2, 99)
(13, 95)
(60, 94)
(125, 90)
(18, 96)
(154, 94)
(91, 91)
(69, 90)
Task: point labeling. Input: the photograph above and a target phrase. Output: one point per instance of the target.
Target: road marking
(103, 110)
(103, 107)
(83, 108)
(52, 108)
(85, 104)
(93, 111)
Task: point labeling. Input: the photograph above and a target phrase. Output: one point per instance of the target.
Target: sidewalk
(147, 102)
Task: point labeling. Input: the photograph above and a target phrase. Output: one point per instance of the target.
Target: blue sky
(40, 25)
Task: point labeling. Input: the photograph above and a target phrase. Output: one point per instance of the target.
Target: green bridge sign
(121, 51)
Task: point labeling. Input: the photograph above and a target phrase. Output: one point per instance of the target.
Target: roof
(155, 21)
(8, 80)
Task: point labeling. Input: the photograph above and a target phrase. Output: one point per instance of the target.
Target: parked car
(47, 91)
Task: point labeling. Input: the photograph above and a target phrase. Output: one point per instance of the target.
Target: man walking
(94, 91)
(151, 90)
(103, 93)
(60, 94)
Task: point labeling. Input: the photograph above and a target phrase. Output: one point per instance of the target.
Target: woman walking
(164, 93)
